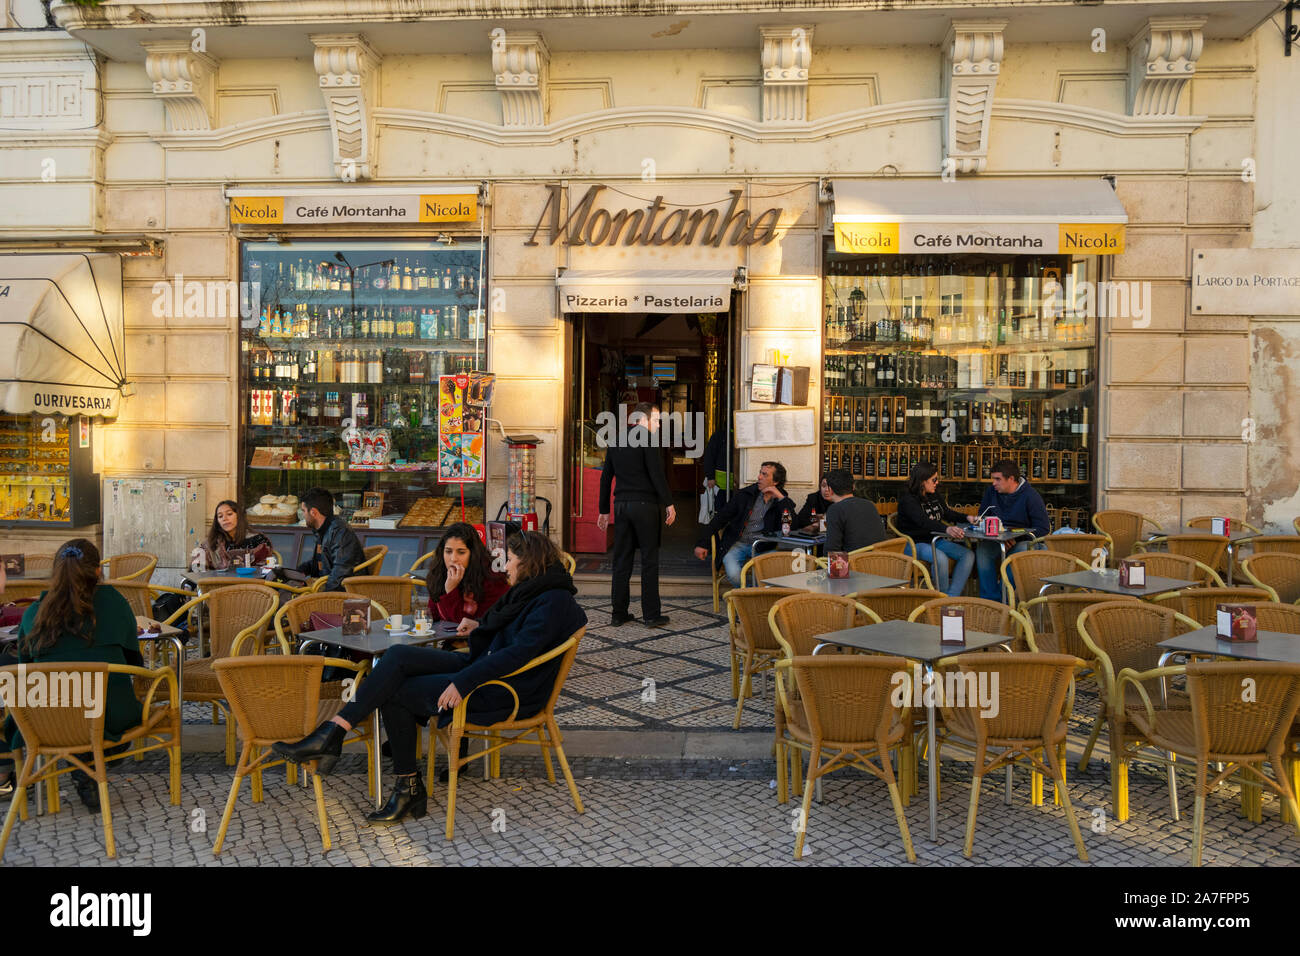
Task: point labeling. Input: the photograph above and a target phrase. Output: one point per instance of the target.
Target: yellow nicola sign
(376, 208)
(892, 238)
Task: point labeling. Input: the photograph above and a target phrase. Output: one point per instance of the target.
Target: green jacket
(115, 642)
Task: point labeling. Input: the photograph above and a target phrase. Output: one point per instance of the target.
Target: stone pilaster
(972, 58)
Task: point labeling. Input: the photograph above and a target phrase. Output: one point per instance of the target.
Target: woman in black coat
(815, 506)
(922, 514)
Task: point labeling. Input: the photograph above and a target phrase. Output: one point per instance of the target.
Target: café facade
(384, 252)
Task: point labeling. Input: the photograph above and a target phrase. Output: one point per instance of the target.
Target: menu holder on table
(1221, 526)
(1132, 574)
(991, 525)
(356, 616)
(952, 626)
(15, 564)
(837, 564)
(1236, 623)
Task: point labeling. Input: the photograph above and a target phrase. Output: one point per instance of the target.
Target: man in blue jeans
(1019, 506)
(752, 511)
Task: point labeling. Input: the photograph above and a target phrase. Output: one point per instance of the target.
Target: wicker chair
(542, 724)
(391, 592)
(137, 565)
(888, 564)
(1276, 572)
(1279, 618)
(38, 563)
(990, 617)
(374, 562)
(1295, 523)
(141, 596)
(1035, 696)
(418, 568)
(848, 702)
(1206, 522)
(1081, 546)
(1123, 527)
(25, 590)
(1126, 635)
(275, 699)
(1199, 604)
(67, 734)
(237, 618)
(898, 545)
(1289, 543)
(570, 562)
(294, 617)
(773, 564)
(1209, 549)
(1162, 564)
(896, 604)
(753, 649)
(717, 573)
(1023, 573)
(1221, 728)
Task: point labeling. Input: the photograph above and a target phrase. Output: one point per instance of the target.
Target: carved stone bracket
(1161, 59)
(786, 56)
(348, 68)
(972, 58)
(520, 62)
(185, 81)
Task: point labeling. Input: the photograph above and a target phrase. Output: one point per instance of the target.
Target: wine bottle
(859, 416)
(900, 415)
(857, 461)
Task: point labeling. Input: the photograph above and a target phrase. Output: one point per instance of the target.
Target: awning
(646, 290)
(1026, 216)
(61, 341)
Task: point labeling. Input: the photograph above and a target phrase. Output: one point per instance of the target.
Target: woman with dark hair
(923, 513)
(229, 540)
(815, 506)
(82, 619)
(412, 684)
(462, 585)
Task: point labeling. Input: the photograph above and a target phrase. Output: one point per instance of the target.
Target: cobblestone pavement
(645, 812)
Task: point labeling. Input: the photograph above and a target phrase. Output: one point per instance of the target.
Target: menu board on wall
(463, 402)
(761, 428)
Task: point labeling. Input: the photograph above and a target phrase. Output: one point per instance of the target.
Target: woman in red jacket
(461, 582)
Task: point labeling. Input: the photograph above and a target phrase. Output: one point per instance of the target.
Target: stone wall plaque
(1246, 282)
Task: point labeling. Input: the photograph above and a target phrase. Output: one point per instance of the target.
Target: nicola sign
(355, 207)
(890, 238)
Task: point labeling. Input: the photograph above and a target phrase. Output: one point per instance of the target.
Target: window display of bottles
(961, 361)
(45, 471)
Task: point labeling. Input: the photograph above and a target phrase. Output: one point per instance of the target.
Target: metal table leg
(180, 674)
(1164, 703)
(1231, 562)
(377, 757)
(932, 762)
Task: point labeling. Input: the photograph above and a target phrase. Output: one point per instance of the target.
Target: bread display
(427, 513)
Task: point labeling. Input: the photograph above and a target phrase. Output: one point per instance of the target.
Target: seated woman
(815, 506)
(229, 540)
(462, 585)
(82, 619)
(923, 513)
(411, 684)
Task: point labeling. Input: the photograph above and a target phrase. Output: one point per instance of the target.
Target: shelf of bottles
(962, 362)
(356, 333)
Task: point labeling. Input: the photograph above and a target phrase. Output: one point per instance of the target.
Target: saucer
(397, 630)
(422, 633)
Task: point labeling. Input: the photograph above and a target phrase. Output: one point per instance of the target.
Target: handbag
(12, 612)
(707, 505)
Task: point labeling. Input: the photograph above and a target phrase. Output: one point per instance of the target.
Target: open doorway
(678, 362)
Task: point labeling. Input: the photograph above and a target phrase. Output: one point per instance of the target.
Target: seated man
(851, 522)
(752, 511)
(338, 551)
(1019, 506)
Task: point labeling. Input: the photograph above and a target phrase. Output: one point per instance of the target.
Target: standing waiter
(642, 491)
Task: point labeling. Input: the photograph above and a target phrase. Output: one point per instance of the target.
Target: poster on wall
(463, 402)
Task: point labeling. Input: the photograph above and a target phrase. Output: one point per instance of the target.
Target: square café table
(918, 642)
(841, 587)
(1242, 534)
(1271, 646)
(1100, 581)
(374, 642)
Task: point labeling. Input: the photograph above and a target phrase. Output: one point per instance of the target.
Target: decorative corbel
(348, 68)
(185, 81)
(1161, 59)
(786, 56)
(520, 62)
(972, 58)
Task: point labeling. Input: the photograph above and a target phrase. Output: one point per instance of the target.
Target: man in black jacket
(752, 511)
(642, 491)
(338, 551)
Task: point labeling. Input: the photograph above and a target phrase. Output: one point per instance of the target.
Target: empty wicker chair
(1123, 527)
(1221, 728)
(1081, 546)
(850, 711)
(1210, 549)
(1200, 604)
(1023, 573)
(542, 725)
(1162, 564)
(896, 604)
(1126, 634)
(141, 596)
(1279, 618)
(1206, 522)
(1059, 634)
(1275, 571)
(888, 564)
(23, 591)
(374, 562)
(37, 565)
(753, 647)
(989, 617)
(774, 564)
(274, 699)
(1290, 543)
(66, 733)
(392, 592)
(1035, 693)
(137, 565)
(418, 567)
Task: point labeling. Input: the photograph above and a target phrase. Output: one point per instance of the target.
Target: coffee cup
(395, 621)
(270, 562)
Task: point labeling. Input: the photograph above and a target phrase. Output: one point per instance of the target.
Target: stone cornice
(972, 59)
(1162, 58)
(348, 68)
(46, 138)
(1100, 121)
(42, 45)
(241, 134)
(185, 81)
(520, 62)
(785, 55)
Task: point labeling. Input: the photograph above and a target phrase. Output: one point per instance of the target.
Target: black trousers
(637, 526)
(405, 687)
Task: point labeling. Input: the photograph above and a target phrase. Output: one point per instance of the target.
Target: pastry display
(427, 513)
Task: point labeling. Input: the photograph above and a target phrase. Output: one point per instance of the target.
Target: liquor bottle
(311, 409)
(835, 455)
(1083, 423)
(1071, 371)
(837, 413)
(890, 370)
(1053, 462)
(1000, 423)
(972, 462)
(826, 458)
(1004, 374)
(361, 410)
(1038, 466)
(859, 415)
(893, 461)
(446, 279)
(869, 462)
(900, 415)
(1081, 466)
(1045, 417)
(857, 461)
(882, 462)
(827, 408)
(873, 415)
(1067, 468)
(869, 372)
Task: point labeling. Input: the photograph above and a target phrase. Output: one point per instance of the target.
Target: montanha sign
(655, 225)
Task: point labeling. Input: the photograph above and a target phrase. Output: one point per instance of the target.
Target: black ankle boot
(409, 799)
(324, 744)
